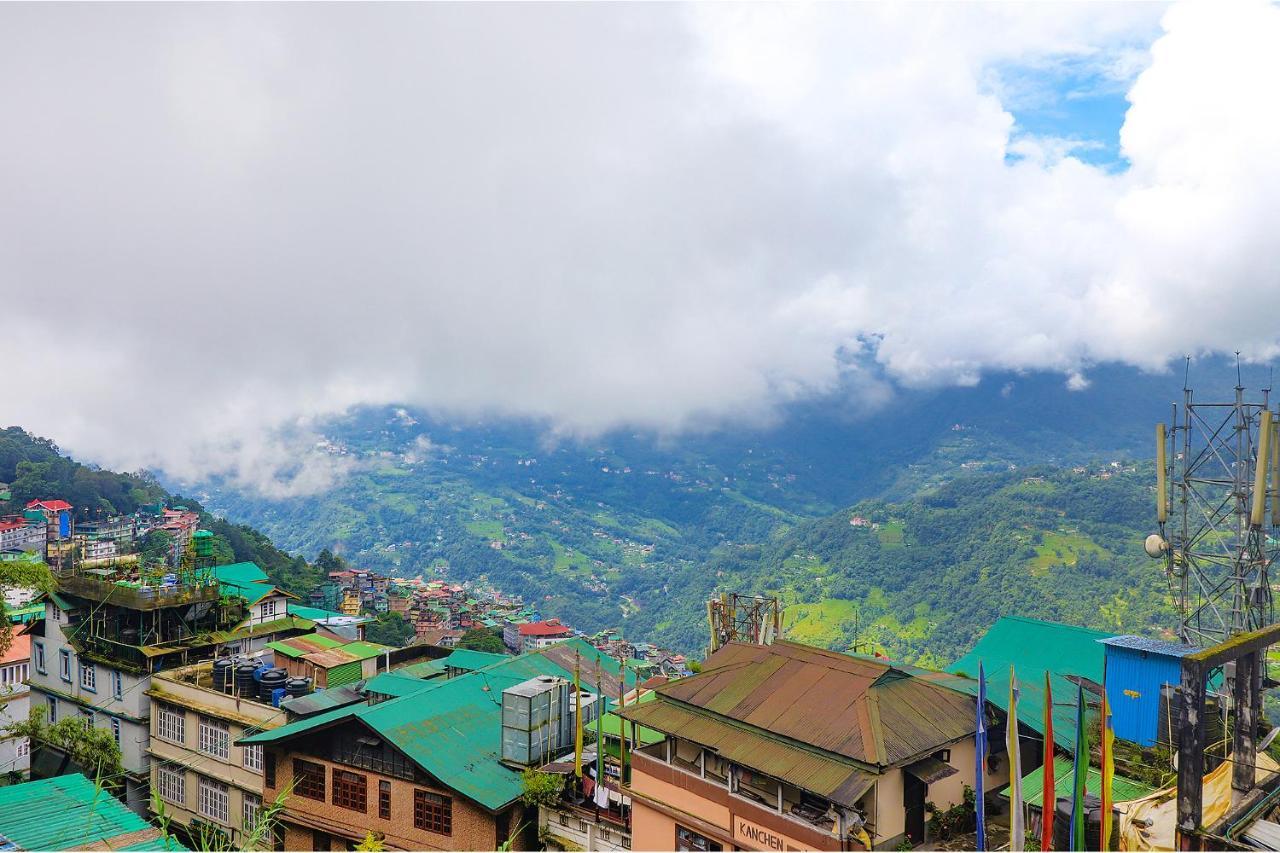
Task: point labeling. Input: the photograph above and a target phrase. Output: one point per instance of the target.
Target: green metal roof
(296, 647)
(69, 813)
(470, 659)
(246, 580)
(423, 669)
(612, 724)
(22, 615)
(1123, 790)
(393, 684)
(1034, 647)
(452, 727)
(314, 613)
(363, 650)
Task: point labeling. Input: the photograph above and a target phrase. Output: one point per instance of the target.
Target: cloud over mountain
(220, 223)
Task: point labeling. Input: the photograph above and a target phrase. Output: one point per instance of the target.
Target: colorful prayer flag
(577, 735)
(1108, 768)
(980, 760)
(1079, 814)
(1048, 793)
(1016, 831)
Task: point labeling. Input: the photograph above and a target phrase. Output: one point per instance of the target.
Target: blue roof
(1146, 644)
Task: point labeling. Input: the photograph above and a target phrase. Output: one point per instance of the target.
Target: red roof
(12, 525)
(19, 649)
(51, 506)
(550, 628)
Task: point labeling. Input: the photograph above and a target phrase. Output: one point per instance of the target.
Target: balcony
(139, 590)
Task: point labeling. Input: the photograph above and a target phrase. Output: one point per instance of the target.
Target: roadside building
(787, 746)
(538, 635)
(70, 813)
(15, 663)
(422, 765)
(203, 778)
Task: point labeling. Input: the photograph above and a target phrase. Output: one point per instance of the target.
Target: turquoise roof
(315, 614)
(470, 659)
(1033, 647)
(70, 813)
(452, 727)
(246, 580)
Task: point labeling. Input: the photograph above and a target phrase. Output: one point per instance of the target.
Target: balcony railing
(87, 583)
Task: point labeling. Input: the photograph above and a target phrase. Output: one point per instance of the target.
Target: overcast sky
(221, 222)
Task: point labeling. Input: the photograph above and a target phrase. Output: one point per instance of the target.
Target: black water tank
(245, 685)
(1093, 824)
(221, 673)
(271, 679)
(298, 686)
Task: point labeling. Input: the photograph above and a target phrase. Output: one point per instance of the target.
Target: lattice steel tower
(1215, 470)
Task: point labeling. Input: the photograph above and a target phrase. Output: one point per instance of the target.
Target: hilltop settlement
(167, 698)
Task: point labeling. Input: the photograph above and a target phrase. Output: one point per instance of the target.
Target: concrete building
(18, 533)
(424, 764)
(15, 664)
(790, 747)
(538, 635)
(197, 769)
(106, 630)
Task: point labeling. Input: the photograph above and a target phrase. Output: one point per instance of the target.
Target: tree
(389, 629)
(94, 750)
(25, 573)
(482, 640)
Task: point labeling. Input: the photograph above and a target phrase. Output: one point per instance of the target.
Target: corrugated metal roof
(824, 775)
(1034, 647)
(343, 653)
(452, 727)
(68, 813)
(471, 659)
(856, 707)
(324, 699)
(1146, 644)
(1123, 790)
(296, 647)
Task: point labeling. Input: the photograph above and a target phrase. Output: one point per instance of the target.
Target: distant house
(539, 635)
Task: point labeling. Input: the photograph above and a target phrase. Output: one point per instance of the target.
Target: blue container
(1138, 672)
(276, 696)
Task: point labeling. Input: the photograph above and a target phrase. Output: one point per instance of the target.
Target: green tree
(94, 750)
(389, 629)
(26, 573)
(482, 640)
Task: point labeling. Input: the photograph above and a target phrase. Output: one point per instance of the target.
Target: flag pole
(1048, 791)
(577, 699)
(980, 759)
(1108, 769)
(1017, 832)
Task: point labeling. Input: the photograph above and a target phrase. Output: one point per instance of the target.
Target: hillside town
(236, 716)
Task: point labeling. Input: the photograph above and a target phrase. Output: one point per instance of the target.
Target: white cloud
(222, 222)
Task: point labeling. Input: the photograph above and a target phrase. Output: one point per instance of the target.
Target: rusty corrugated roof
(827, 776)
(859, 708)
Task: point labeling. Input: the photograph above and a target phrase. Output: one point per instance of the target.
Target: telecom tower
(1215, 469)
(743, 618)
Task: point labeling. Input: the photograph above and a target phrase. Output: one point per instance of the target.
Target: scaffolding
(743, 618)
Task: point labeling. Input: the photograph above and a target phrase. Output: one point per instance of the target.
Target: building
(106, 630)
(422, 764)
(345, 627)
(791, 747)
(15, 752)
(19, 533)
(538, 635)
(1142, 677)
(70, 813)
(197, 769)
(328, 662)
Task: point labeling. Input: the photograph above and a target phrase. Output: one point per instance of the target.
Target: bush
(960, 819)
(541, 789)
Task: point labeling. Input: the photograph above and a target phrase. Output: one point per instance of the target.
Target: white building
(15, 752)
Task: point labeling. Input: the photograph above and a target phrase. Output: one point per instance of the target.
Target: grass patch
(486, 528)
(892, 534)
(1063, 548)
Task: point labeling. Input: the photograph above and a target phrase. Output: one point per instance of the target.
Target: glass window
(88, 676)
(171, 784)
(251, 811)
(64, 665)
(253, 758)
(269, 769)
(117, 684)
(24, 747)
(171, 724)
(308, 779)
(384, 799)
(53, 710)
(39, 656)
(215, 739)
(687, 839)
(350, 790)
(115, 729)
(432, 812)
(214, 799)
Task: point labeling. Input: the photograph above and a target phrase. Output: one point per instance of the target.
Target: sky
(221, 224)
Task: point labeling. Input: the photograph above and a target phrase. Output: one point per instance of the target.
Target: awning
(930, 770)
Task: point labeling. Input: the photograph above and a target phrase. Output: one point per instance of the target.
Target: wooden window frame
(350, 790)
(308, 779)
(384, 799)
(432, 812)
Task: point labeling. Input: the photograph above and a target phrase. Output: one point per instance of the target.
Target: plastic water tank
(245, 685)
(222, 668)
(298, 686)
(277, 695)
(270, 681)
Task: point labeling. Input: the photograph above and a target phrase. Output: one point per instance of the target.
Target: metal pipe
(1162, 494)
(1261, 467)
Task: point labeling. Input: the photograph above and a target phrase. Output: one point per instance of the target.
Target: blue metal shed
(1138, 669)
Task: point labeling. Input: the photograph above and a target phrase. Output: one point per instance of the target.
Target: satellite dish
(1155, 546)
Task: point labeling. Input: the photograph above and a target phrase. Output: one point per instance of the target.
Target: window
(88, 676)
(117, 684)
(268, 608)
(432, 812)
(687, 839)
(55, 613)
(24, 747)
(171, 784)
(38, 656)
(64, 665)
(215, 740)
(384, 799)
(53, 710)
(308, 779)
(350, 790)
(269, 769)
(171, 724)
(115, 729)
(253, 758)
(251, 811)
(87, 715)
(214, 799)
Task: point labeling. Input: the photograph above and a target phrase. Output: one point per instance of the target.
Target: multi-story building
(203, 777)
(19, 533)
(428, 765)
(791, 747)
(106, 630)
(532, 636)
(15, 664)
